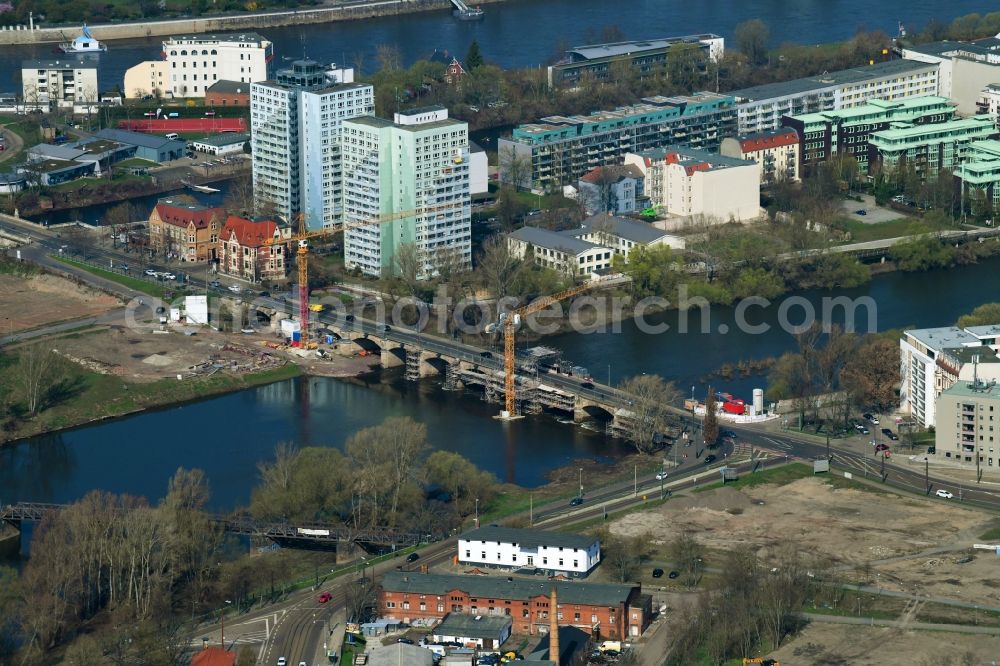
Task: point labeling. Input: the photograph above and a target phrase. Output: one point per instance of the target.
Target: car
(150, 272)
(412, 557)
(710, 459)
(657, 573)
(160, 310)
(893, 436)
(486, 354)
(169, 276)
(728, 433)
(861, 211)
(215, 284)
(349, 317)
(302, 663)
(881, 447)
(861, 428)
(944, 493)
(282, 661)
(661, 476)
(405, 640)
(235, 288)
(325, 597)
(867, 416)
(874, 420)
(932, 450)
(385, 328)
(673, 574)
(587, 385)
(123, 267)
(264, 294)
(576, 501)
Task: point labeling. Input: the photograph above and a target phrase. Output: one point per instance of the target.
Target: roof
(56, 152)
(242, 37)
(985, 331)
(431, 108)
(99, 146)
(59, 63)
(615, 49)
(965, 355)
(224, 139)
(496, 587)
(181, 214)
(400, 653)
(136, 138)
(224, 86)
(786, 136)
(475, 148)
(529, 538)
(214, 656)
(371, 121)
(693, 157)
(54, 165)
(618, 172)
(942, 337)
(462, 625)
(11, 177)
(552, 240)
(635, 231)
(829, 80)
(964, 389)
(946, 131)
(248, 233)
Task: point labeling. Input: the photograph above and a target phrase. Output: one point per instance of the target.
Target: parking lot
(873, 212)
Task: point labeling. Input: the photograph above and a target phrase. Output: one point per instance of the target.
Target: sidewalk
(336, 628)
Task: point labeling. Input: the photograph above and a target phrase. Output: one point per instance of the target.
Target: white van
(173, 135)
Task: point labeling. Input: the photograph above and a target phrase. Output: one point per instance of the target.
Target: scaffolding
(412, 364)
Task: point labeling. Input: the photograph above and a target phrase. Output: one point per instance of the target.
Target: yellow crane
(511, 321)
(304, 235)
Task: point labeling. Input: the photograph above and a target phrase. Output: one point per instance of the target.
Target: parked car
(150, 272)
(944, 493)
(169, 276)
(325, 597)
(661, 476)
(673, 574)
(235, 288)
(576, 501)
(860, 427)
(215, 284)
(657, 573)
(404, 640)
(412, 557)
(124, 267)
(710, 459)
(861, 211)
(728, 434)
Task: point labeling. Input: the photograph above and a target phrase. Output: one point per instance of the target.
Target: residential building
(928, 148)
(486, 632)
(597, 62)
(509, 548)
(978, 177)
(147, 146)
(846, 132)
(214, 656)
(968, 424)
(690, 183)
(933, 359)
(596, 608)
(762, 107)
(59, 83)
(964, 68)
(247, 249)
(623, 234)
(560, 252)
(228, 93)
(226, 143)
(198, 61)
(396, 654)
(187, 231)
(479, 170)
(774, 151)
(612, 189)
(406, 183)
(147, 79)
(295, 128)
(558, 150)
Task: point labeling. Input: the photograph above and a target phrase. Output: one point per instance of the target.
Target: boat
(199, 188)
(469, 14)
(85, 43)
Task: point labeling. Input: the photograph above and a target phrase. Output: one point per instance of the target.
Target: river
(524, 33)
(227, 436)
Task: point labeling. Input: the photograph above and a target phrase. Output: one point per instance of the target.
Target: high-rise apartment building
(413, 173)
(295, 121)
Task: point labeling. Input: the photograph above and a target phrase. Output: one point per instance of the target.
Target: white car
(150, 272)
(944, 493)
(282, 661)
(169, 276)
(661, 476)
(235, 288)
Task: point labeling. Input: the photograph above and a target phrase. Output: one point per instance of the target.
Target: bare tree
(498, 266)
(35, 374)
(689, 557)
(515, 168)
(623, 555)
(240, 197)
(710, 424)
(359, 600)
(649, 416)
(389, 57)
(408, 266)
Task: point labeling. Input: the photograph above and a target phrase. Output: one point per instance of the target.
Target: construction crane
(303, 236)
(512, 319)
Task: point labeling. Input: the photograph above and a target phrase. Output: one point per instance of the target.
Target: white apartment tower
(58, 82)
(296, 122)
(413, 175)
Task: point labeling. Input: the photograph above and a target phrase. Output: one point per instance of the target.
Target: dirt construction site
(28, 303)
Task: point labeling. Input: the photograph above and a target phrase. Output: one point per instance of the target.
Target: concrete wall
(105, 32)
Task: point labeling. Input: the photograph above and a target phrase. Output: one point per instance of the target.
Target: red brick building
(228, 93)
(187, 231)
(245, 253)
(609, 611)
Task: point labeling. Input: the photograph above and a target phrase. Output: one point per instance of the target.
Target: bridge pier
(392, 358)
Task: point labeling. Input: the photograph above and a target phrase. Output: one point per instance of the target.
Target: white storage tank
(758, 401)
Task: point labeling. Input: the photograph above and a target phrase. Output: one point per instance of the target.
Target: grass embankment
(135, 283)
(84, 396)
(905, 226)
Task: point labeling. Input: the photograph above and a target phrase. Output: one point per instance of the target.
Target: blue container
(297, 336)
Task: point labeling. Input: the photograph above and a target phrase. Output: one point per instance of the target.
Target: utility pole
(927, 481)
(581, 483)
(828, 447)
(883, 467)
(635, 481)
(531, 509)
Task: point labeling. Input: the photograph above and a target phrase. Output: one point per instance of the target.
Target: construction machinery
(512, 319)
(303, 236)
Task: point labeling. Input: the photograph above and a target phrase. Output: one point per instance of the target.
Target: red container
(734, 407)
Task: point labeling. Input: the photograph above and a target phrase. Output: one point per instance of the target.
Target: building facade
(623, 234)
(645, 58)
(486, 632)
(59, 83)
(928, 148)
(691, 183)
(558, 150)
(411, 173)
(558, 251)
(150, 147)
(599, 609)
(847, 131)
(227, 143)
(761, 108)
(149, 78)
(186, 231)
(295, 128)
(775, 152)
(508, 548)
(611, 189)
(196, 62)
(248, 249)
(977, 179)
(968, 424)
(964, 68)
(228, 93)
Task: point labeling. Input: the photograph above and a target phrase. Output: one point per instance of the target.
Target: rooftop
(952, 129)
(986, 331)
(965, 389)
(530, 538)
(785, 136)
(53, 165)
(472, 626)
(616, 173)
(57, 152)
(241, 37)
(552, 241)
(615, 49)
(830, 80)
(497, 587)
(882, 108)
(99, 146)
(694, 156)
(966, 354)
(400, 653)
(248, 233)
(224, 139)
(181, 213)
(224, 86)
(623, 227)
(942, 337)
(59, 63)
(135, 138)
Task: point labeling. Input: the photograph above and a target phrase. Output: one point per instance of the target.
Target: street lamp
(477, 512)
(581, 483)
(223, 632)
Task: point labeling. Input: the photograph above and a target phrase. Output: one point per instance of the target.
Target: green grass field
(137, 284)
(904, 226)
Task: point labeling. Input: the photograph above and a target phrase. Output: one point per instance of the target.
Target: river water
(227, 436)
(524, 33)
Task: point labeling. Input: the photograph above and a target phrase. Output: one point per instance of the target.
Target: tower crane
(304, 235)
(512, 319)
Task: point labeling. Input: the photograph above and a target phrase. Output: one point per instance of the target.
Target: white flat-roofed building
(509, 548)
(61, 82)
(559, 251)
(198, 61)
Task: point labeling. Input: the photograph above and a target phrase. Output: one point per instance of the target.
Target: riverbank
(15, 35)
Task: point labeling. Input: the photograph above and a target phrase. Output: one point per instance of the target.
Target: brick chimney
(554, 628)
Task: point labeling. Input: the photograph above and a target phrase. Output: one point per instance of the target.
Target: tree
(710, 424)
(461, 480)
(498, 267)
(984, 315)
(689, 557)
(752, 39)
(240, 196)
(509, 208)
(871, 374)
(408, 266)
(389, 57)
(35, 375)
(359, 600)
(653, 270)
(473, 58)
(246, 656)
(390, 451)
(623, 555)
(649, 416)
(515, 168)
